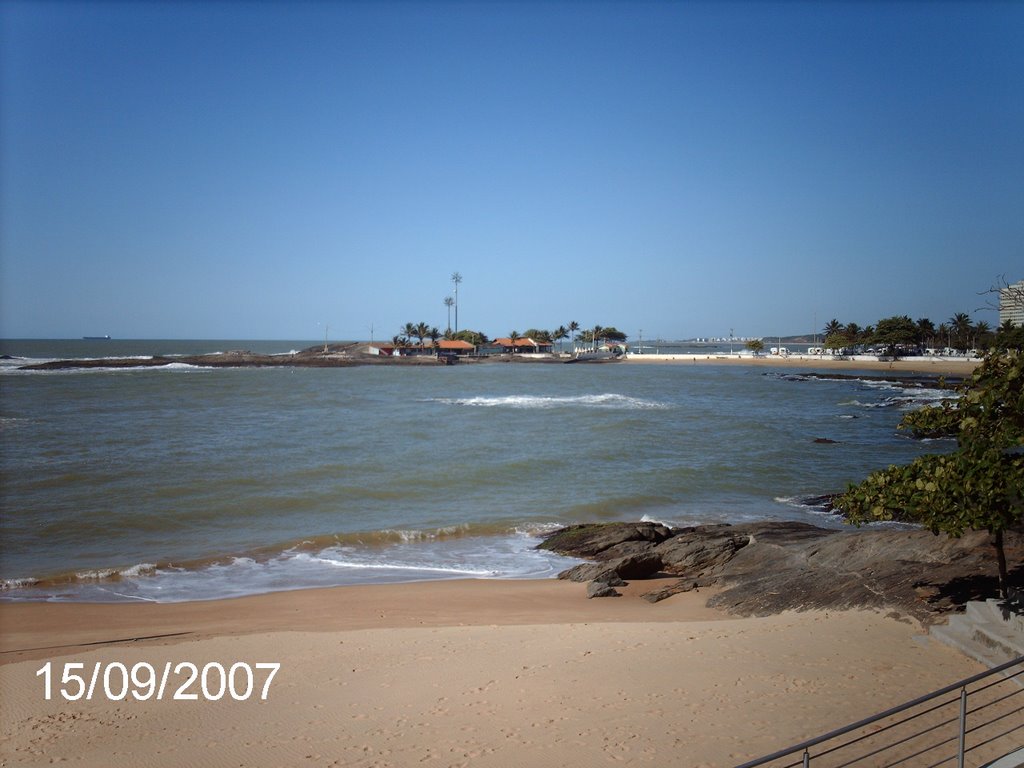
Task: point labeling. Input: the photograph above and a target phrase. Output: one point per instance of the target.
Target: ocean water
(186, 483)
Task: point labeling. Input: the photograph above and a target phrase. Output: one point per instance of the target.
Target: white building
(1011, 304)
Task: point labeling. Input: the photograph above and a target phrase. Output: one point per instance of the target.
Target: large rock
(592, 539)
(699, 550)
(769, 567)
(639, 566)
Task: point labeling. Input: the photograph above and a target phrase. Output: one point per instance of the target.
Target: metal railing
(979, 717)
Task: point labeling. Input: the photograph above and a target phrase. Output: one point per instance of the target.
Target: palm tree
(560, 333)
(422, 330)
(832, 328)
(961, 327)
(943, 330)
(448, 301)
(573, 327)
(434, 335)
(598, 330)
(513, 337)
(926, 332)
(456, 279)
(981, 331)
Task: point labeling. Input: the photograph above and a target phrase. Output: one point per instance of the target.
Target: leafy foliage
(978, 486)
(894, 331)
(473, 337)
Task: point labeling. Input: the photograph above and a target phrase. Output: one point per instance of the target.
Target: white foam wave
(801, 503)
(103, 574)
(650, 519)
(8, 584)
(607, 400)
(399, 566)
(511, 556)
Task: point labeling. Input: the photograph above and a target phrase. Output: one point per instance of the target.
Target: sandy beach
(481, 673)
(936, 366)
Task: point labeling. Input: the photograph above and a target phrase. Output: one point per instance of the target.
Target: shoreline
(481, 673)
(27, 628)
(354, 354)
(922, 365)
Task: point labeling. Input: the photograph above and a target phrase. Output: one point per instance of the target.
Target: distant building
(520, 346)
(455, 347)
(1011, 304)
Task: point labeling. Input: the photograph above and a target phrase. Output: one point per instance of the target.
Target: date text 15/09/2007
(183, 681)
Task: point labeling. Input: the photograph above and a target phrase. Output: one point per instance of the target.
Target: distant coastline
(348, 355)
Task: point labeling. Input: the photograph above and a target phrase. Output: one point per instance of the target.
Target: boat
(96, 338)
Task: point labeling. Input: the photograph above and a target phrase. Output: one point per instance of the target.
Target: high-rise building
(1011, 304)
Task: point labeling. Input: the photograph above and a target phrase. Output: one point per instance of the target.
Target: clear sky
(259, 170)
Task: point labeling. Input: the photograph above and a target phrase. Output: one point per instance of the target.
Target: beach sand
(934, 366)
(467, 673)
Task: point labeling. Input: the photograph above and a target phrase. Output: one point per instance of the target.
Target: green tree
(944, 335)
(612, 333)
(894, 332)
(961, 327)
(434, 335)
(513, 337)
(561, 332)
(756, 346)
(448, 302)
(853, 334)
(1009, 336)
(573, 327)
(476, 338)
(982, 335)
(422, 330)
(978, 486)
(925, 332)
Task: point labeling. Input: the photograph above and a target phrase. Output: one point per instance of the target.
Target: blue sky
(258, 170)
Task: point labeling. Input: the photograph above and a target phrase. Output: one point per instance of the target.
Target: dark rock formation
(616, 572)
(590, 541)
(600, 589)
(769, 567)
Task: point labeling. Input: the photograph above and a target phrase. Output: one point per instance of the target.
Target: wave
(401, 566)
(815, 505)
(485, 551)
(101, 369)
(607, 400)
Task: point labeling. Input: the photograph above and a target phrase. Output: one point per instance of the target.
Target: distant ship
(97, 338)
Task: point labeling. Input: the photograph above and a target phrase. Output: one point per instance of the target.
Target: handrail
(803, 746)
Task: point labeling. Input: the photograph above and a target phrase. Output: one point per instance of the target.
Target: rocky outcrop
(769, 567)
(615, 572)
(603, 541)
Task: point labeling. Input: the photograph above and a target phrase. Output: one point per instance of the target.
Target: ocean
(187, 483)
